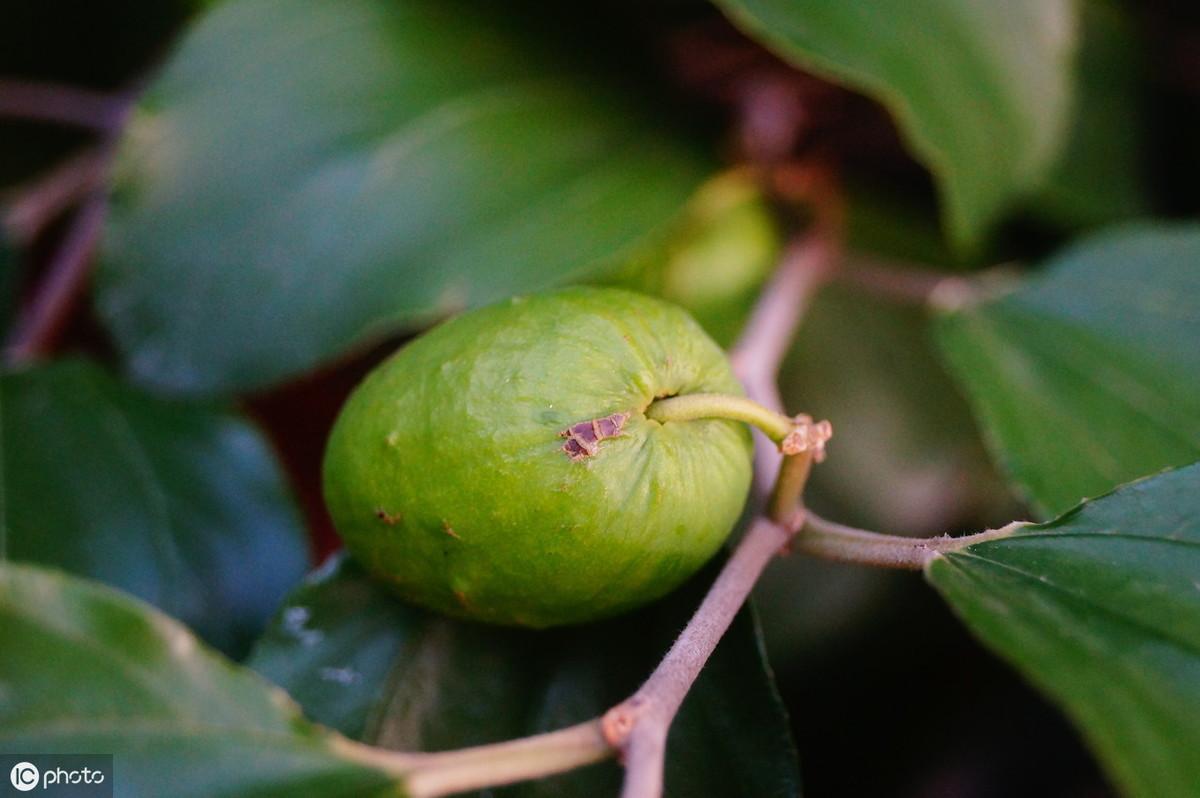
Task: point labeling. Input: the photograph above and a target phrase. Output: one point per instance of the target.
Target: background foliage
(298, 186)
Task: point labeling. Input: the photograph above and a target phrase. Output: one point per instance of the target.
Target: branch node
(618, 723)
(807, 436)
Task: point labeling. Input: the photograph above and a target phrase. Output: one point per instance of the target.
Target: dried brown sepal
(583, 439)
(807, 435)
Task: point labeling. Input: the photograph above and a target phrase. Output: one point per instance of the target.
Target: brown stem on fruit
(66, 276)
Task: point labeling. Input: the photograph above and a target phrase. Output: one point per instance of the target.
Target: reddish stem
(66, 275)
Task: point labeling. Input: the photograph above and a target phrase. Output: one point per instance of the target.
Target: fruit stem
(784, 500)
(691, 407)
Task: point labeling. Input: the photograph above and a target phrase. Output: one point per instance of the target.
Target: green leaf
(982, 90)
(1100, 609)
(87, 669)
(1100, 177)
(181, 505)
(1089, 375)
(306, 177)
(381, 671)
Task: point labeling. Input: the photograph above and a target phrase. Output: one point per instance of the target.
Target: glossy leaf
(982, 90)
(181, 505)
(1100, 609)
(379, 670)
(85, 668)
(1089, 375)
(306, 177)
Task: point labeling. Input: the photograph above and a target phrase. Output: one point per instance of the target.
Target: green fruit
(714, 259)
(466, 470)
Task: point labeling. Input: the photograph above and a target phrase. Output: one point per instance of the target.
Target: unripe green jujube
(467, 471)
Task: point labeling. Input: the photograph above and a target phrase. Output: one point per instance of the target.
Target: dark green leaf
(306, 176)
(181, 505)
(1100, 176)
(376, 669)
(981, 89)
(1089, 375)
(85, 668)
(1101, 609)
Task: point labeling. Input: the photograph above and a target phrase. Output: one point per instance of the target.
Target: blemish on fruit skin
(391, 519)
(583, 439)
(449, 530)
(393, 438)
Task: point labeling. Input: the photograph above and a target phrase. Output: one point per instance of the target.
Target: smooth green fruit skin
(446, 474)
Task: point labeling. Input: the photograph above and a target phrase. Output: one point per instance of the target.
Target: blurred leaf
(88, 669)
(1100, 176)
(714, 259)
(105, 46)
(379, 670)
(1089, 375)
(181, 505)
(905, 456)
(981, 89)
(305, 177)
(1100, 609)
(897, 226)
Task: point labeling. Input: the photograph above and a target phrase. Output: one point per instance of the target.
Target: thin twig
(760, 351)
(918, 285)
(832, 541)
(639, 725)
(67, 273)
(432, 775)
(68, 105)
(34, 207)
